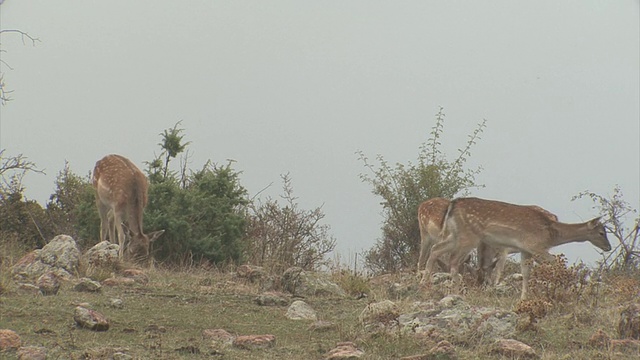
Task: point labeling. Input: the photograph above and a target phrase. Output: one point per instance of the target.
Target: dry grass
(165, 318)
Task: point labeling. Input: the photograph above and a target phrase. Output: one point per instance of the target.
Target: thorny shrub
(533, 310)
(555, 282)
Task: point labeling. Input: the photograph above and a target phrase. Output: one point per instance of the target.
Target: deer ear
(155, 235)
(593, 223)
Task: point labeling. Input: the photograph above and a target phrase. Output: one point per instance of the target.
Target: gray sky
(299, 86)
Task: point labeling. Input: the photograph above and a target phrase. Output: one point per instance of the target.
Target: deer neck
(568, 233)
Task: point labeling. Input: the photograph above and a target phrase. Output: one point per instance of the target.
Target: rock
(121, 356)
(60, 256)
(513, 349)
(219, 338)
(401, 290)
(251, 342)
(344, 350)
(305, 283)
(28, 288)
(513, 278)
(251, 272)
(103, 255)
(155, 329)
(139, 276)
(116, 303)
(117, 281)
(439, 278)
(599, 339)
(271, 299)
(379, 315)
(452, 317)
(322, 325)
(48, 283)
(300, 310)
(629, 324)
(61, 252)
(90, 319)
(9, 340)
(451, 301)
(442, 351)
(88, 285)
(32, 353)
(625, 346)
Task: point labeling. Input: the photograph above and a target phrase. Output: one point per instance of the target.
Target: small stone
(9, 340)
(251, 272)
(32, 353)
(90, 319)
(251, 342)
(271, 299)
(625, 346)
(48, 283)
(219, 338)
(344, 350)
(599, 339)
(88, 285)
(121, 356)
(443, 350)
(514, 349)
(117, 281)
(116, 303)
(322, 325)
(300, 310)
(137, 275)
(629, 323)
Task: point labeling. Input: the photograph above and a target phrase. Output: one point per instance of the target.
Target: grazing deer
(121, 195)
(430, 218)
(431, 214)
(491, 260)
(471, 221)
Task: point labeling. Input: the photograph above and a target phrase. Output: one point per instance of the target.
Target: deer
(431, 214)
(121, 195)
(491, 260)
(472, 221)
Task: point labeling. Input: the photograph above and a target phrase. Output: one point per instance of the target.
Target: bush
(403, 187)
(22, 219)
(72, 208)
(283, 235)
(616, 213)
(202, 213)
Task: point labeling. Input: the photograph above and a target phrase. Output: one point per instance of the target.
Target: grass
(165, 319)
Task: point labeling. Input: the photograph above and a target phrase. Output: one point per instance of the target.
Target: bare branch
(19, 162)
(23, 34)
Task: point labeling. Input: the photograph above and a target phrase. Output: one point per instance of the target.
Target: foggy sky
(300, 86)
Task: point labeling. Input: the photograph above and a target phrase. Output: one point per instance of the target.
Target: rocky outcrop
(300, 310)
(60, 256)
(306, 283)
(454, 317)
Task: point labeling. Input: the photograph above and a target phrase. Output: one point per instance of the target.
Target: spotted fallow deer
(121, 195)
(430, 218)
(471, 221)
(491, 260)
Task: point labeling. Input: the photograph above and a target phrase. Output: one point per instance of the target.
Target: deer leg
(103, 211)
(499, 267)
(425, 243)
(525, 267)
(438, 250)
(117, 227)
